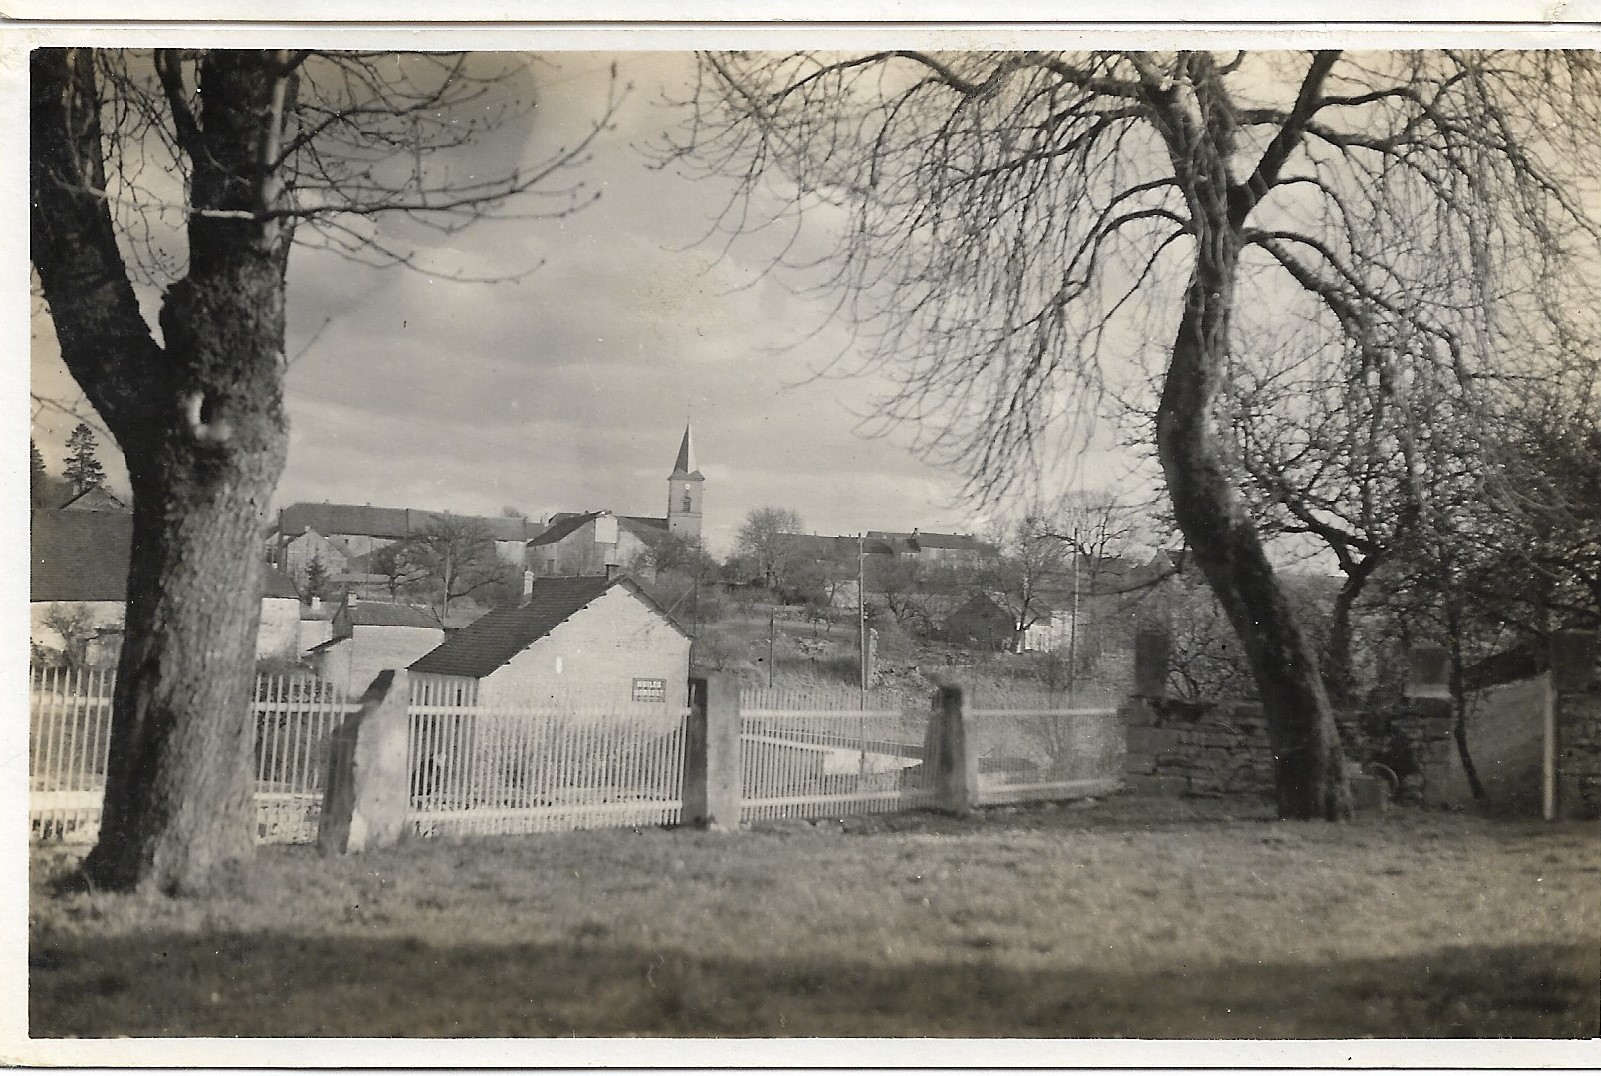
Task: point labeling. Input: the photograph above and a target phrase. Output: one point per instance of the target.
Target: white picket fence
(580, 763)
(561, 765)
(69, 740)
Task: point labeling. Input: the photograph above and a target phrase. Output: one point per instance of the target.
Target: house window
(649, 690)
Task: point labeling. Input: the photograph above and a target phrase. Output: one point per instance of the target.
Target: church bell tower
(684, 487)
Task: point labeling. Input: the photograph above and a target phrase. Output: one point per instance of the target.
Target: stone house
(367, 637)
(78, 573)
(588, 641)
(593, 542)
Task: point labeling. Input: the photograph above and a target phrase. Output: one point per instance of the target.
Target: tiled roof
(79, 556)
(275, 584)
(565, 523)
(564, 526)
(936, 540)
(390, 615)
(645, 527)
(500, 634)
(333, 519)
(82, 556)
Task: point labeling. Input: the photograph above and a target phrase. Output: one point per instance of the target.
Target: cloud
(569, 387)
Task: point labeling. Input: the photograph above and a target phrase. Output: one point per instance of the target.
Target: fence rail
(69, 742)
(1037, 753)
(501, 770)
(480, 769)
(800, 763)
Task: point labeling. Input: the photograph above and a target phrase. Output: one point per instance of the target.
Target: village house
(368, 637)
(342, 537)
(78, 584)
(588, 543)
(587, 640)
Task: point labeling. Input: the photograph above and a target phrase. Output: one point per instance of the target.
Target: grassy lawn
(1128, 918)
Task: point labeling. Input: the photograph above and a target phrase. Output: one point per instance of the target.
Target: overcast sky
(569, 390)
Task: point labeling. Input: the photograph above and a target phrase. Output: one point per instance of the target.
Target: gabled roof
(94, 499)
(565, 524)
(501, 634)
(646, 528)
(79, 556)
(365, 614)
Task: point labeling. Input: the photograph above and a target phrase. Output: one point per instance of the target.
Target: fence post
(366, 796)
(712, 754)
(949, 752)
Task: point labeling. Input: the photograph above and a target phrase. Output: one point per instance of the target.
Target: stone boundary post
(948, 754)
(711, 754)
(1573, 727)
(1152, 655)
(365, 797)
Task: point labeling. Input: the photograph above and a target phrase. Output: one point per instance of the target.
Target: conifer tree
(83, 466)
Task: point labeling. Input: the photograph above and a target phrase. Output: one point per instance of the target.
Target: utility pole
(772, 630)
(861, 608)
(1072, 635)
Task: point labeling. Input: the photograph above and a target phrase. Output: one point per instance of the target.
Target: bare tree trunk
(1459, 697)
(1338, 677)
(201, 425)
(179, 785)
(1309, 774)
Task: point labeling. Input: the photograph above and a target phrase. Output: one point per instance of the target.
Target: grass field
(1128, 918)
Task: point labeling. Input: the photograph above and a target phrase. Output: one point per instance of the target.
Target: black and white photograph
(955, 535)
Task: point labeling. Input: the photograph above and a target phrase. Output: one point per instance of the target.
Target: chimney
(528, 585)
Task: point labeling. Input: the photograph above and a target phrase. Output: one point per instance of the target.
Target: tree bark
(201, 425)
(1309, 765)
(1338, 676)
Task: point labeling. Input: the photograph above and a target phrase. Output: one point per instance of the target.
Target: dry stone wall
(1224, 749)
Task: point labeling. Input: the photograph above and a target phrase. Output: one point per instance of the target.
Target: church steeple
(684, 466)
(684, 487)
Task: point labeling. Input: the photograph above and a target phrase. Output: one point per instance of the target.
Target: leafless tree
(1029, 569)
(77, 629)
(196, 171)
(1012, 221)
(453, 557)
(766, 539)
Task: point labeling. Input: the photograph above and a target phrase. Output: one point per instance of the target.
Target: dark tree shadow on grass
(223, 984)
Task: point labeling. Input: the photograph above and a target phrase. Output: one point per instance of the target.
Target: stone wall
(1223, 748)
(1579, 719)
